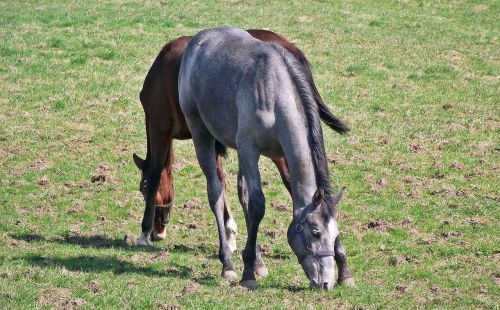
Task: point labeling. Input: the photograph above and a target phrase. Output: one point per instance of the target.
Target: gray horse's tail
(300, 77)
(324, 113)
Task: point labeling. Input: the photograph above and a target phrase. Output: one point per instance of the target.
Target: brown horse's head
(163, 197)
(139, 162)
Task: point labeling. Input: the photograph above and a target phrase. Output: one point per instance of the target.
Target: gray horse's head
(312, 235)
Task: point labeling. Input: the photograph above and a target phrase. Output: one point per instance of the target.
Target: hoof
(231, 230)
(251, 285)
(347, 282)
(230, 275)
(160, 236)
(144, 240)
(261, 271)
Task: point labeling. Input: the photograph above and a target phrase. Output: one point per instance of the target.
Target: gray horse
(254, 97)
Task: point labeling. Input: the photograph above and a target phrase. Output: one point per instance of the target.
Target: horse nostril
(325, 286)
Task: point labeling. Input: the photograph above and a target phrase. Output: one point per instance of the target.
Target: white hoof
(161, 236)
(231, 231)
(230, 275)
(261, 271)
(144, 239)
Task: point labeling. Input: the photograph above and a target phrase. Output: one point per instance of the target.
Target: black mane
(299, 75)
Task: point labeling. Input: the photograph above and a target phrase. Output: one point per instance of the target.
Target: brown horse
(165, 122)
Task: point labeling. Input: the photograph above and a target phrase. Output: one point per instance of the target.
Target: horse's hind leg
(231, 228)
(284, 172)
(345, 276)
(248, 158)
(259, 266)
(204, 144)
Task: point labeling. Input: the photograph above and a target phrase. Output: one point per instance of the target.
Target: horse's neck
(300, 164)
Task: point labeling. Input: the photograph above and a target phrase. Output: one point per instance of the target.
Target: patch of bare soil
(480, 7)
(349, 74)
(457, 165)
(94, 286)
(79, 184)
(450, 234)
(66, 273)
(384, 226)
(194, 203)
(265, 250)
(401, 288)
(139, 259)
(11, 150)
(8, 295)
(416, 146)
(190, 288)
(454, 57)
(271, 234)
(160, 256)
(497, 279)
(278, 205)
(59, 298)
(379, 185)
(168, 306)
(452, 192)
(102, 174)
(43, 181)
(364, 94)
(335, 158)
(380, 226)
(39, 164)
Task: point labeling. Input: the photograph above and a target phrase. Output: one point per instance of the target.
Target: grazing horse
(165, 122)
(255, 97)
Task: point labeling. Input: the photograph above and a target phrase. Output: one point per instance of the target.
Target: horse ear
(318, 197)
(338, 196)
(138, 161)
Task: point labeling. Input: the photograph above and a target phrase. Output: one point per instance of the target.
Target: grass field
(417, 82)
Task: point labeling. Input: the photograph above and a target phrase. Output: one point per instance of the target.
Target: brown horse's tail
(324, 113)
(220, 149)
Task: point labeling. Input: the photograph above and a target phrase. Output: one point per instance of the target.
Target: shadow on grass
(290, 288)
(91, 263)
(201, 248)
(86, 263)
(97, 242)
(104, 242)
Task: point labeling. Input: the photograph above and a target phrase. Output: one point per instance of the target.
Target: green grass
(417, 81)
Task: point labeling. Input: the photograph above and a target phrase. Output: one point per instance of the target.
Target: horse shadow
(95, 241)
(105, 242)
(115, 265)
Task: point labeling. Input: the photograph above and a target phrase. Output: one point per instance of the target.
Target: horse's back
(227, 80)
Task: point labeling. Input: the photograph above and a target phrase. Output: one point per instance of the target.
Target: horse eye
(316, 233)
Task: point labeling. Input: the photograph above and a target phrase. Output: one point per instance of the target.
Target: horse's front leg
(259, 266)
(345, 277)
(230, 224)
(164, 196)
(248, 158)
(159, 144)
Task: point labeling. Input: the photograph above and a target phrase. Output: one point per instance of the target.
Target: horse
(255, 97)
(165, 122)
